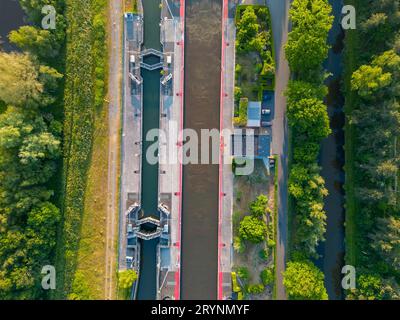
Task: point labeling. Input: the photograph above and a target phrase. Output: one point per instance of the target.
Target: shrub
(267, 276)
(256, 288)
(126, 278)
(304, 281)
(252, 229)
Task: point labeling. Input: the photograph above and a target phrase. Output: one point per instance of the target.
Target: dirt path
(114, 89)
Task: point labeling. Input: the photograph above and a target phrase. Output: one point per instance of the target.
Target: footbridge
(147, 54)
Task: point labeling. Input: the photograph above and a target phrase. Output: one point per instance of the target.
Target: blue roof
(254, 114)
(264, 146)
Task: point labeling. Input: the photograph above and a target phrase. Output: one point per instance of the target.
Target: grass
(83, 99)
(350, 57)
(92, 244)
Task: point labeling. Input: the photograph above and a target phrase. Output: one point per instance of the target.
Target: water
(147, 288)
(11, 18)
(332, 162)
(199, 262)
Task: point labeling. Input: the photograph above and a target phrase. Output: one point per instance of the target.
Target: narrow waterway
(151, 119)
(11, 18)
(332, 162)
(199, 263)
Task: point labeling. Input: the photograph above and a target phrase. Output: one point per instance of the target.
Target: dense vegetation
(255, 66)
(372, 106)
(309, 123)
(308, 119)
(33, 106)
(304, 281)
(30, 143)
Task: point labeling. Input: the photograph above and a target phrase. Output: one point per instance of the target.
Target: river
(11, 17)
(147, 288)
(199, 263)
(332, 162)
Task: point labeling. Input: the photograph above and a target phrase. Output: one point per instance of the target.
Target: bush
(304, 281)
(239, 245)
(243, 273)
(256, 288)
(126, 279)
(259, 207)
(252, 229)
(267, 276)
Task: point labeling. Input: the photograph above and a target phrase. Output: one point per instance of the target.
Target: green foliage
(252, 229)
(243, 273)
(35, 40)
(84, 91)
(241, 119)
(304, 281)
(307, 188)
(127, 278)
(263, 254)
(308, 119)
(80, 288)
(256, 288)
(307, 42)
(373, 287)
(239, 245)
(259, 207)
(267, 276)
(18, 79)
(386, 241)
(28, 221)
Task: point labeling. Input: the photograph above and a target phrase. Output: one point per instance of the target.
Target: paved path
(279, 13)
(114, 87)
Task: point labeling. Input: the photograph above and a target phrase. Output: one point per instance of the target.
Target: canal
(332, 162)
(199, 262)
(147, 285)
(11, 18)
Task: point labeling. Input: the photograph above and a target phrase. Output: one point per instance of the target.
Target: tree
(247, 29)
(126, 278)
(374, 287)
(309, 117)
(307, 48)
(256, 288)
(304, 281)
(35, 40)
(368, 79)
(267, 276)
(252, 229)
(386, 241)
(259, 207)
(18, 79)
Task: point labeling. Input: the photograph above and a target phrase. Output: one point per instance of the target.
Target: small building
(252, 147)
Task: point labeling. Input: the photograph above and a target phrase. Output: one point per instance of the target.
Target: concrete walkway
(114, 87)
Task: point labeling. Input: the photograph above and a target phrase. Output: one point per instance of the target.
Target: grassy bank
(83, 98)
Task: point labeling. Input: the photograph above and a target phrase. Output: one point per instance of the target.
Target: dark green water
(151, 115)
(11, 18)
(332, 161)
(203, 38)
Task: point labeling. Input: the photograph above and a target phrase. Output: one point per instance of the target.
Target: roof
(254, 114)
(258, 146)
